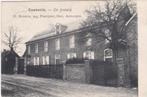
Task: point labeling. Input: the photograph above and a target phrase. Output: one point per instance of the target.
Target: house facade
(60, 44)
(64, 42)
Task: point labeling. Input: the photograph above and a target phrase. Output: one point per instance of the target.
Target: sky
(31, 18)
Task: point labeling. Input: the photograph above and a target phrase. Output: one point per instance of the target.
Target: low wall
(94, 72)
(77, 72)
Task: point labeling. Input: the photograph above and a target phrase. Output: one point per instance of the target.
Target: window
(36, 48)
(108, 54)
(45, 60)
(88, 54)
(57, 44)
(72, 42)
(89, 42)
(71, 55)
(108, 35)
(45, 46)
(36, 60)
(57, 59)
(28, 49)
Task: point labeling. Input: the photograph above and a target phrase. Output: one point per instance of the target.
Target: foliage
(106, 19)
(76, 61)
(47, 71)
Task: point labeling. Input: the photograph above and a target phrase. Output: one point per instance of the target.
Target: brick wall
(64, 48)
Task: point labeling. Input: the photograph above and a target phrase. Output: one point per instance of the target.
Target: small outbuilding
(8, 61)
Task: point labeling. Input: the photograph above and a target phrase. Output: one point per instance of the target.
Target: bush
(76, 61)
(47, 71)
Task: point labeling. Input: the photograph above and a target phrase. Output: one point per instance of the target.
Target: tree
(11, 39)
(110, 19)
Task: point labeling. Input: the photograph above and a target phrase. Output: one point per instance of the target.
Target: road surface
(27, 86)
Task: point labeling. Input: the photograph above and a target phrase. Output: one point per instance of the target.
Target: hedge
(47, 71)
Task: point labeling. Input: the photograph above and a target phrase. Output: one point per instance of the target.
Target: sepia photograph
(69, 48)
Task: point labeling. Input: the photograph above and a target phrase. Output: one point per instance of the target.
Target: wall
(64, 48)
(132, 38)
(77, 73)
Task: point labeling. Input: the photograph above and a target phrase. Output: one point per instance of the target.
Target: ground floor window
(36, 61)
(57, 59)
(108, 55)
(88, 54)
(45, 60)
(71, 55)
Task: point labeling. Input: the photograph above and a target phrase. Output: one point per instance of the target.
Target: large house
(62, 43)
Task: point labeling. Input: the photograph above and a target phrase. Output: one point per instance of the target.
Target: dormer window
(58, 28)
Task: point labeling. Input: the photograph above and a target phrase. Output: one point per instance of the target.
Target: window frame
(89, 42)
(71, 55)
(90, 54)
(46, 46)
(110, 57)
(57, 56)
(57, 44)
(72, 41)
(36, 48)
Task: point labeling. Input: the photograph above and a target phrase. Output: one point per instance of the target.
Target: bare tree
(11, 39)
(110, 19)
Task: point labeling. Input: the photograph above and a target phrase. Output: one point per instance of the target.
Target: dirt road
(26, 86)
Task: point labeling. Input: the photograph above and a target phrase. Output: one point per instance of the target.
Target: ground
(27, 86)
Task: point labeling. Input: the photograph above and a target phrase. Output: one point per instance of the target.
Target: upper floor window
(71, 55)
(46, 46)
(88, 54)
(108, 54)
(29, 49)
(36, 48)
(89, 42)
(108, 35)
(57, 44)
(72, 41)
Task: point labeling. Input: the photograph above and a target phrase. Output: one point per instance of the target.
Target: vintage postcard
(70, 48)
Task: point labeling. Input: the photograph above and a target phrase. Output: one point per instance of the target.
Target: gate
(20, 67)
(104, 73)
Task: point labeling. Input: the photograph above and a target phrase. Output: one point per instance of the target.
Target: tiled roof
(68, 28)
